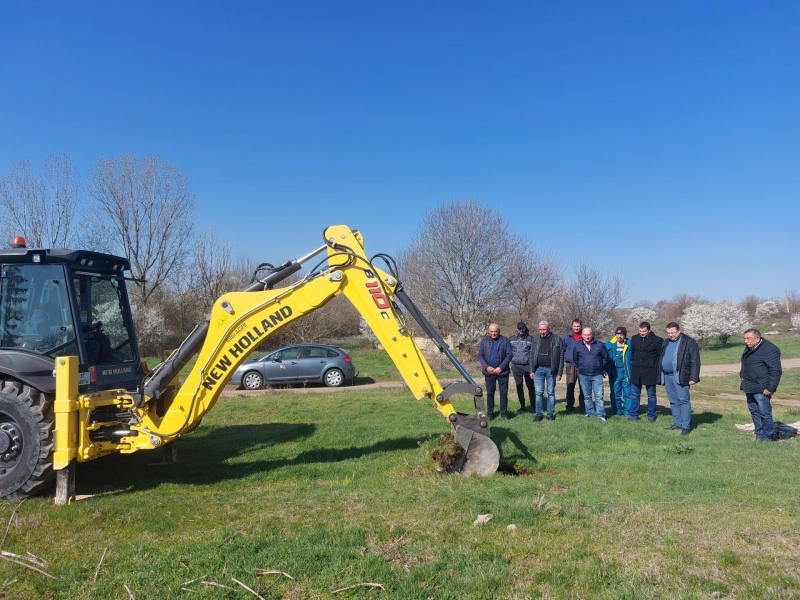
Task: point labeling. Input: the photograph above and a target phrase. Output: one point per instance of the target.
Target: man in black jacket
(546, 365)
(680, 369)
(761, 374)
(645, 351)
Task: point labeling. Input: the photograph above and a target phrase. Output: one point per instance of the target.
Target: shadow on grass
(500, 436)
(705, 418)
(208, 459)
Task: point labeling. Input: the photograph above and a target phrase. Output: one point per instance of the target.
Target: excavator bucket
(481, 455)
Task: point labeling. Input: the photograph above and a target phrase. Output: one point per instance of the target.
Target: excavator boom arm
(241, 321)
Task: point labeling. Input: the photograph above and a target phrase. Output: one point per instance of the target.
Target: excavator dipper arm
(241, 321)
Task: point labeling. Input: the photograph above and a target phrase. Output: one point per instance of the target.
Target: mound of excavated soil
(446, 452)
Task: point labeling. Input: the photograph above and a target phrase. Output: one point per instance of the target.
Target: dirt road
(366, 384)
(712, 370)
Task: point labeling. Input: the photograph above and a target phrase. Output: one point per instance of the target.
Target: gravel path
(705, 371)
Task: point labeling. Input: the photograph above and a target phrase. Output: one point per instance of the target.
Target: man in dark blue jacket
(570, 339)
(494, 354)
(680, 369)
(761, 374)
(591, 359)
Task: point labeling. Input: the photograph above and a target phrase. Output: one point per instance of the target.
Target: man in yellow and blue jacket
(620, 361)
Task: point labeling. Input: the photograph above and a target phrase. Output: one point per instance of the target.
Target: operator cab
(66, 303)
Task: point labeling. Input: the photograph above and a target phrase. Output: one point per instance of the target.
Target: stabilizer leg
(65, 485)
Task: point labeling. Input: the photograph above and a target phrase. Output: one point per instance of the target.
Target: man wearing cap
(520, 356)
(619, 371)
(547, 366)
(494, 354)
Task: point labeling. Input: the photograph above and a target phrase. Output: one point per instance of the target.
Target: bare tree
(673, 309)
(749, 304)
(145, 209)
(215, 270)
(792, 299)
(591, 295)
(192, 290)
(454, 268)
(43, 208)
(533, 280)
(338, 318)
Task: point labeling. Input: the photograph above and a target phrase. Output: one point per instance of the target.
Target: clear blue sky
(659, 139)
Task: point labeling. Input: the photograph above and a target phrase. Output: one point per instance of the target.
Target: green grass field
(789, 388)
(789, 343)
(337, 489)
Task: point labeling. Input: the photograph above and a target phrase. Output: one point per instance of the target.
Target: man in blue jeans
(761, 374)
(680, 370)
(547, 365)
(591, 359)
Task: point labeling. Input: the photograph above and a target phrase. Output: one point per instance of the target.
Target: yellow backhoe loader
(73, 387)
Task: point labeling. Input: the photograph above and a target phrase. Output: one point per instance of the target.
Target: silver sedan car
(299, 363)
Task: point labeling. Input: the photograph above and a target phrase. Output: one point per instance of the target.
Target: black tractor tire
(27, 425)
(253, 380)
(334, 378)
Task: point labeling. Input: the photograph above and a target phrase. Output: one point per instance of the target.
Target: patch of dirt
(515, 470)
(446, 452)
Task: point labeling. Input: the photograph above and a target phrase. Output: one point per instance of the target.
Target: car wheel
(252, 380)
(334, 378)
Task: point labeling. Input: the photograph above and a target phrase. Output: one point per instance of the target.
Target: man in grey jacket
(520, 355)
(761, 374)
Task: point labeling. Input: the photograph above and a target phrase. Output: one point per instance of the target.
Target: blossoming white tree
(732, 320)
(766, 309)
(701, 321)
(641, 313)
(721, 320)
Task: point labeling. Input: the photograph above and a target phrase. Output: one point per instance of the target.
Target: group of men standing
(539, 361)
(630, 364)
